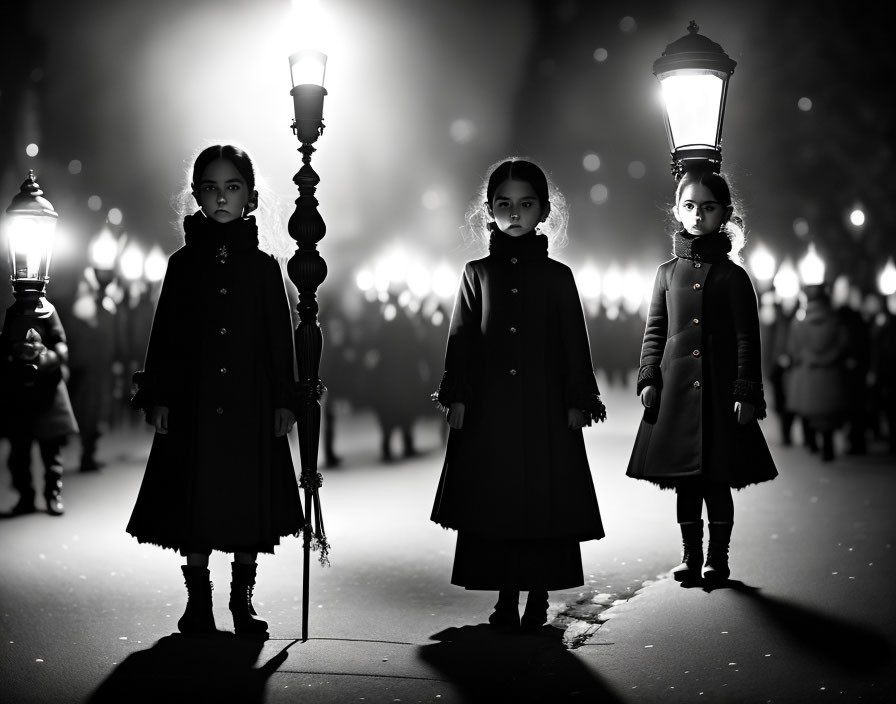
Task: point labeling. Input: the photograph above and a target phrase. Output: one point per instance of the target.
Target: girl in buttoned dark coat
(700, 378)
(518, 387)
(218, 386)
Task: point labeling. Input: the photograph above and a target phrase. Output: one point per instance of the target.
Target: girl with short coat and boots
(700, 377)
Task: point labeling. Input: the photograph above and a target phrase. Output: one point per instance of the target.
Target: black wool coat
(220, 357)
(701, 350)
(518, 358)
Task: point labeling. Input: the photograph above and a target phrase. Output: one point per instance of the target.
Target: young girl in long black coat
(219, 388)
(700, 379)
(518, 387)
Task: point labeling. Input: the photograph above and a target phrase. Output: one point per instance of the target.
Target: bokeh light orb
(599, 193)
(462, 131)
(591, 161)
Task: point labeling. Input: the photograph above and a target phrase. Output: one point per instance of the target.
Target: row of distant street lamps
(693, 73)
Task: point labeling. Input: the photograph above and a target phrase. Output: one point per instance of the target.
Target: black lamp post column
(307, 270)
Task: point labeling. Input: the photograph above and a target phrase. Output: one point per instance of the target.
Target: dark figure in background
(395, 365)
(817, 384)
(337, 372)
(435, 326)
(138, 324)
(883, 368)
(94, 347)
(848, 306)
(35, 405)
(518, 387)
(700, 379)
(779, 364)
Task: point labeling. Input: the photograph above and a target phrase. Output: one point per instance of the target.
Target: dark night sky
(132, 88)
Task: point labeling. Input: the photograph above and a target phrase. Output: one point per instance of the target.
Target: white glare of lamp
(762, 263)
(786, 281)
(886, 282)
(589, 281)
(30, 227)
(155, 265)
(103, 250)
(131, 262)
(811, 267)
(308, 68)
(693, 73)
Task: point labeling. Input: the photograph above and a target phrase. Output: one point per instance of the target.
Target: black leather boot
(198, 618)
(242, 585)
(691, 552)
(715, 571)
(507, 610)
(536, 613)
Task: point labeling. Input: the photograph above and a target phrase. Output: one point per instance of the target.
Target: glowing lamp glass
(886, 282)
(693, 100)
(308, 67)
(30, 246)
(811, 268)
(103, 250)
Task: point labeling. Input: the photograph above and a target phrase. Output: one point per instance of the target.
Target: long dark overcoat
(518, 358)
(701, 349)
(818, 380)
(220, 357)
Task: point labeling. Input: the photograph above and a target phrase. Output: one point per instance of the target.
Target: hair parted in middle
(273, 237)
(520, 169)
(721, 191)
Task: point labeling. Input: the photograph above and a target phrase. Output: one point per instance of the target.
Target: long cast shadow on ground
(179, 669)
(488, 665)
(857, 649)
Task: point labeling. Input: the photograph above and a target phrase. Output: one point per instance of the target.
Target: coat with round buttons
(518, 357)
(701, 350)
(220, 358)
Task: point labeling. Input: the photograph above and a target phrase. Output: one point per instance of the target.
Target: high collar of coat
(705, 248)
(204, 234)
(529, 246)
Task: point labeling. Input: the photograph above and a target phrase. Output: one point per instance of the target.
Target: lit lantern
(30, 228)
(308, 68)
(693, 73)
(811, 268)
(886, 282)
(762, 264)
(103, 255)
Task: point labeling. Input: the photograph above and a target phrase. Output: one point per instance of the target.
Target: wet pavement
(89, 615)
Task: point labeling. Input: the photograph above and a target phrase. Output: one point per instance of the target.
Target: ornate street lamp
(30, 228)
(693, 73)
(307, 270)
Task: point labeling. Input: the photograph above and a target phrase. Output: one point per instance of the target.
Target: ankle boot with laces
(198, 618)
(241, 587)
(691, 552)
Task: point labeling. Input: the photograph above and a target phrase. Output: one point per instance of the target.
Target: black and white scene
(447, 351)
